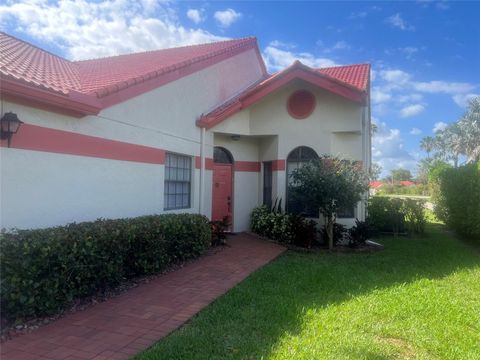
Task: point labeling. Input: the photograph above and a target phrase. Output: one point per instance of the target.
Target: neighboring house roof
(407, 183)
(84, 87)
(375, 184)
(351, 82)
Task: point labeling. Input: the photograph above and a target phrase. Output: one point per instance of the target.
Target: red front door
(222, 191)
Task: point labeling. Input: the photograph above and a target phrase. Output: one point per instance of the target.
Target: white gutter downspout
(202, 171)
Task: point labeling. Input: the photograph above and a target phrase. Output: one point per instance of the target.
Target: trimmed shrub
(44, 270)
(460, 199)
(396, 215)
(282, 227)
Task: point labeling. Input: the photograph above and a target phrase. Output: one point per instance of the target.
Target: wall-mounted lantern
(9, 125)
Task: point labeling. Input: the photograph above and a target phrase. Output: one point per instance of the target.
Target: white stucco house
(200, 129)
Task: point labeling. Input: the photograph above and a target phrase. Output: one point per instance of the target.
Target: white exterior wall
(337, 126)
(40, 189)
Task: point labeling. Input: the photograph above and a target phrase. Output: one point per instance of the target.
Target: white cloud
(395, 77)
(341, 45)
(197, 16)
(411, 110)
(389, 151)
(398, 86)
(227, 17)
(103, 28)
(415, 131)
(357, 15)
(398, 22)
(409, 51)
(283, 45)
(443, 87)
(439, 126)
(278, 59)
(409, 98)
(378, 96)
(462, 100)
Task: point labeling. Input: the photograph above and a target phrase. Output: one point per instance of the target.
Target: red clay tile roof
(23, 61)
(356, 75)
(375, 184)
(103, 76)
(35, 67)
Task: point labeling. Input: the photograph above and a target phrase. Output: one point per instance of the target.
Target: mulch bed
(11, 329)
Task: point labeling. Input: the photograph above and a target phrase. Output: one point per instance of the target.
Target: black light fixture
(9, 125)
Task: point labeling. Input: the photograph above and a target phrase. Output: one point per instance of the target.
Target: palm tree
(428, 144)
(469, 125)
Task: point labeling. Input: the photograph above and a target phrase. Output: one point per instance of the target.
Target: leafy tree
(375, 171)
(400, 174)
(329, 184)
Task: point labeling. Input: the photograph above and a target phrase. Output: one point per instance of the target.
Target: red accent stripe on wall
(252, 166)
(208, 163)
(278, 165)
(38, 138)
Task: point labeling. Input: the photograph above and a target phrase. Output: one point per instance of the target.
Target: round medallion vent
(301, 104)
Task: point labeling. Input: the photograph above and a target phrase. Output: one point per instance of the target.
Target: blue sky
(424, 54)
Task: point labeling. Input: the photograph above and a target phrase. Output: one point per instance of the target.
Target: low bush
(339, 232)
(282, 227)
(396, 215)
(459, 199)
(43, 270)
(359, 233)
(414, 214)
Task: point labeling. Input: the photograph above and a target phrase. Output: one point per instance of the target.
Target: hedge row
(396, 215)
(458, 203)
(44, 270)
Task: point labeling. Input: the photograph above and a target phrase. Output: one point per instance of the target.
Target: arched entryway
(297, 157)
(222, 193)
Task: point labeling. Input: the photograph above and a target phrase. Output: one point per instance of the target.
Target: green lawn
(417, 299)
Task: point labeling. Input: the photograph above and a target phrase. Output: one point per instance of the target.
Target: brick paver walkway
(131, 322)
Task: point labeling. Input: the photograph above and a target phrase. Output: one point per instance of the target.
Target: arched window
(296, 159)
(222, 155)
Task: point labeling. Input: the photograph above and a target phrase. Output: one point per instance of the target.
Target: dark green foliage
(44, 270)
(304, 230)
(414, 215)
(460, 199)
(282, 227)
(273, 225)
(436, 168)
(395, 215)
(339, 232)
(359, 233)
(384, 214)
(219, 230)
